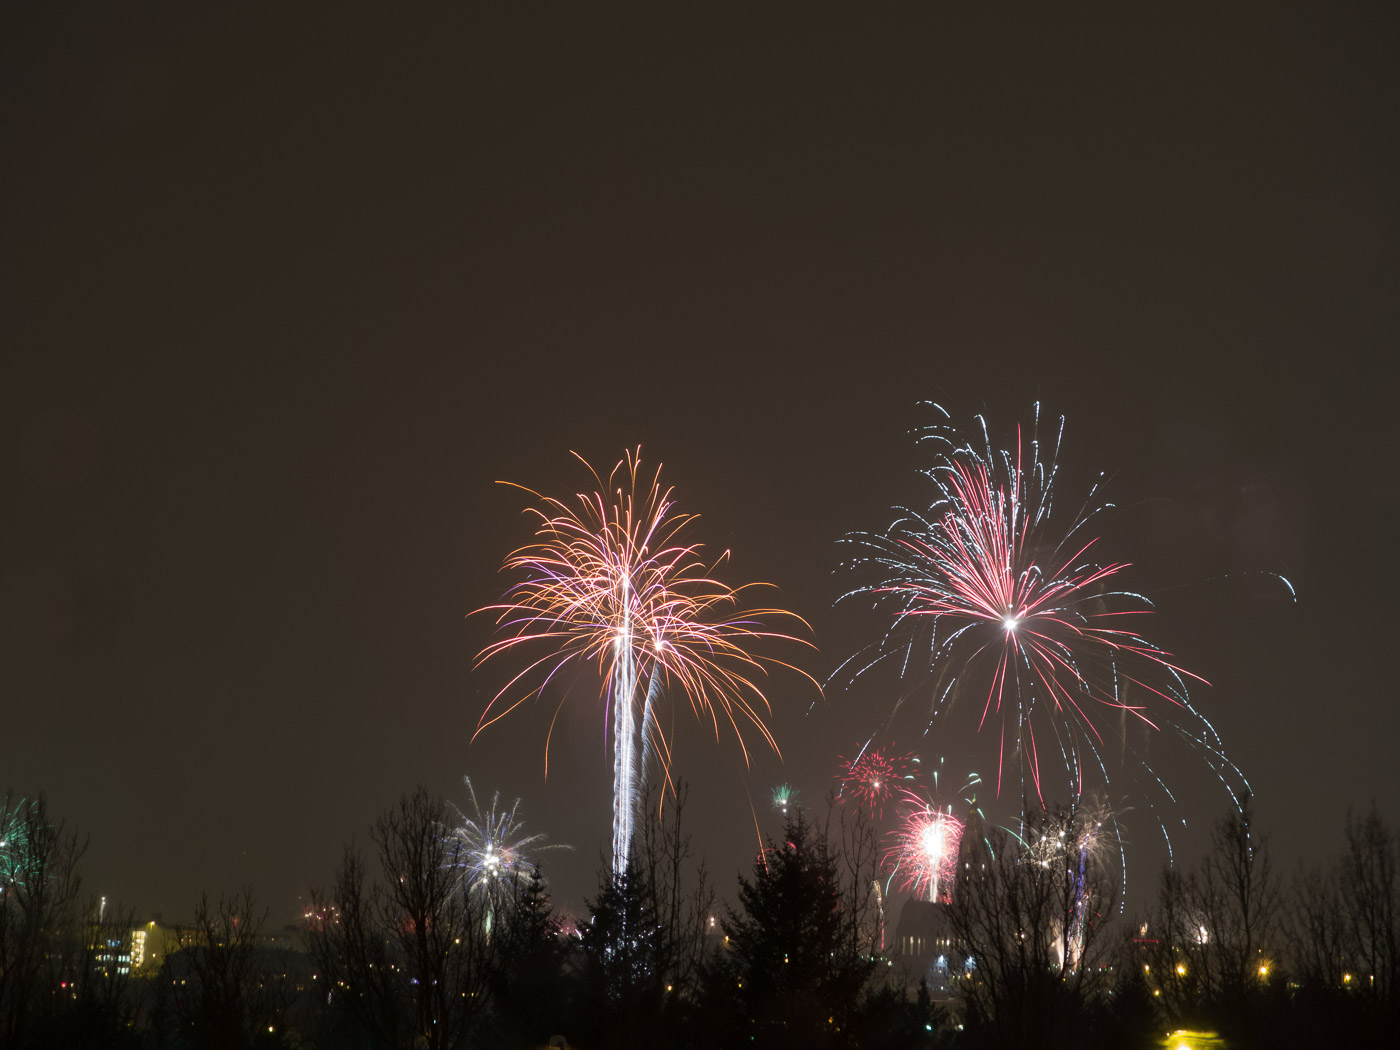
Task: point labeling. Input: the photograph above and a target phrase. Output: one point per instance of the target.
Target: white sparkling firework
(491, 851)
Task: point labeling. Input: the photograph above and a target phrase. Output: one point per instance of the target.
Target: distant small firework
(783, 796)
(491, 852)
(609, 584)
(873, 777)
(1077, 844)
(319, 916)
(1085, 832)
(996, 597)
(924, 858)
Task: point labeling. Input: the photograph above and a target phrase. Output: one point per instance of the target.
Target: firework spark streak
(609, 583)
(996, 596)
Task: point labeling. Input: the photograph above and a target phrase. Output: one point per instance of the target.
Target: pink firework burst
(998, 597)
(924, 857)
(872, 777)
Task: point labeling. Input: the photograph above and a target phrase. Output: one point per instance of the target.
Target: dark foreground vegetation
(405, 949)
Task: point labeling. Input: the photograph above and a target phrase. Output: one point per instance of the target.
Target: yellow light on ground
(1264, 970)
(1188, 1039)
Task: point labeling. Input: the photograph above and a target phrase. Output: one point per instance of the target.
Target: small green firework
(783, 794)
(15, 859)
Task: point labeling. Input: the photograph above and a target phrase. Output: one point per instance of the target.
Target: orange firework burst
(609, 583)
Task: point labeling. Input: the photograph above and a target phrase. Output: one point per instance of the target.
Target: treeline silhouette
(406, 947)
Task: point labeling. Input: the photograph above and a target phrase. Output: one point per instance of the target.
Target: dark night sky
(284, 291)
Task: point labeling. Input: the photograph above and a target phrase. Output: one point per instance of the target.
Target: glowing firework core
(933, 841)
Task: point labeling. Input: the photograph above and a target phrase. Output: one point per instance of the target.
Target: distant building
(924, 944)
(150, 944)
(111, 955)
